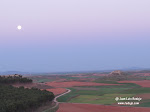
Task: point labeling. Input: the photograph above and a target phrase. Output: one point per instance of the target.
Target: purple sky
(74, 35)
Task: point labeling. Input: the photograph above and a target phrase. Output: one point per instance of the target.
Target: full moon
(19, 27)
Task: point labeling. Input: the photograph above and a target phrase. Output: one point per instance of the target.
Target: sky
(74, 35)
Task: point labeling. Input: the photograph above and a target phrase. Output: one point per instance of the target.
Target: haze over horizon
(76, 35)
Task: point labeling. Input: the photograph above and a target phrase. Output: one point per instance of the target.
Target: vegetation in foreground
(21, 99)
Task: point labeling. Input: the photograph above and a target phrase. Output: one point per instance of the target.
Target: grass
(144, 104)
(105, 94)
(148, 78)
(45, 80)
(136, 91)
(69, 77)
(123, 85)
(107, 82)
(106, 99)
(102, 91)
(68, 96)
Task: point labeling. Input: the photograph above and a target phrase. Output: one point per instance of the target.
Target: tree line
(14, 79)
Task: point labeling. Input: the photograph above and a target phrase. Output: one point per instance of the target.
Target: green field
(107, 82)
(68, 96)
(137, 91)
(101, 90)
(145, 104)
(104, 95)
(106, 99)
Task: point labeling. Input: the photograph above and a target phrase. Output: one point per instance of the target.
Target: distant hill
(118, 75)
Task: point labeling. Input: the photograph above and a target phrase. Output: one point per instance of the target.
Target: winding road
(55, 99)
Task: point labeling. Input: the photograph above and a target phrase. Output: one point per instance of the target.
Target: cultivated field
(68, 107)
(57, 91)
(143, 83)
(91, 93)
(75, 83)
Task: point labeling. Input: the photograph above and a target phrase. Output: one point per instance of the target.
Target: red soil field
(143, 83)
(68, 107)
(57, 91)
(25, 85)
(59, 80)
(75, 83)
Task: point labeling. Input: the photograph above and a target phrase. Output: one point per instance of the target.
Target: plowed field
(74, 83)
(57, 91)
(143, 83)
(68, 107)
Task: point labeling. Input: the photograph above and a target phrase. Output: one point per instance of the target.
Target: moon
(19, 27)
